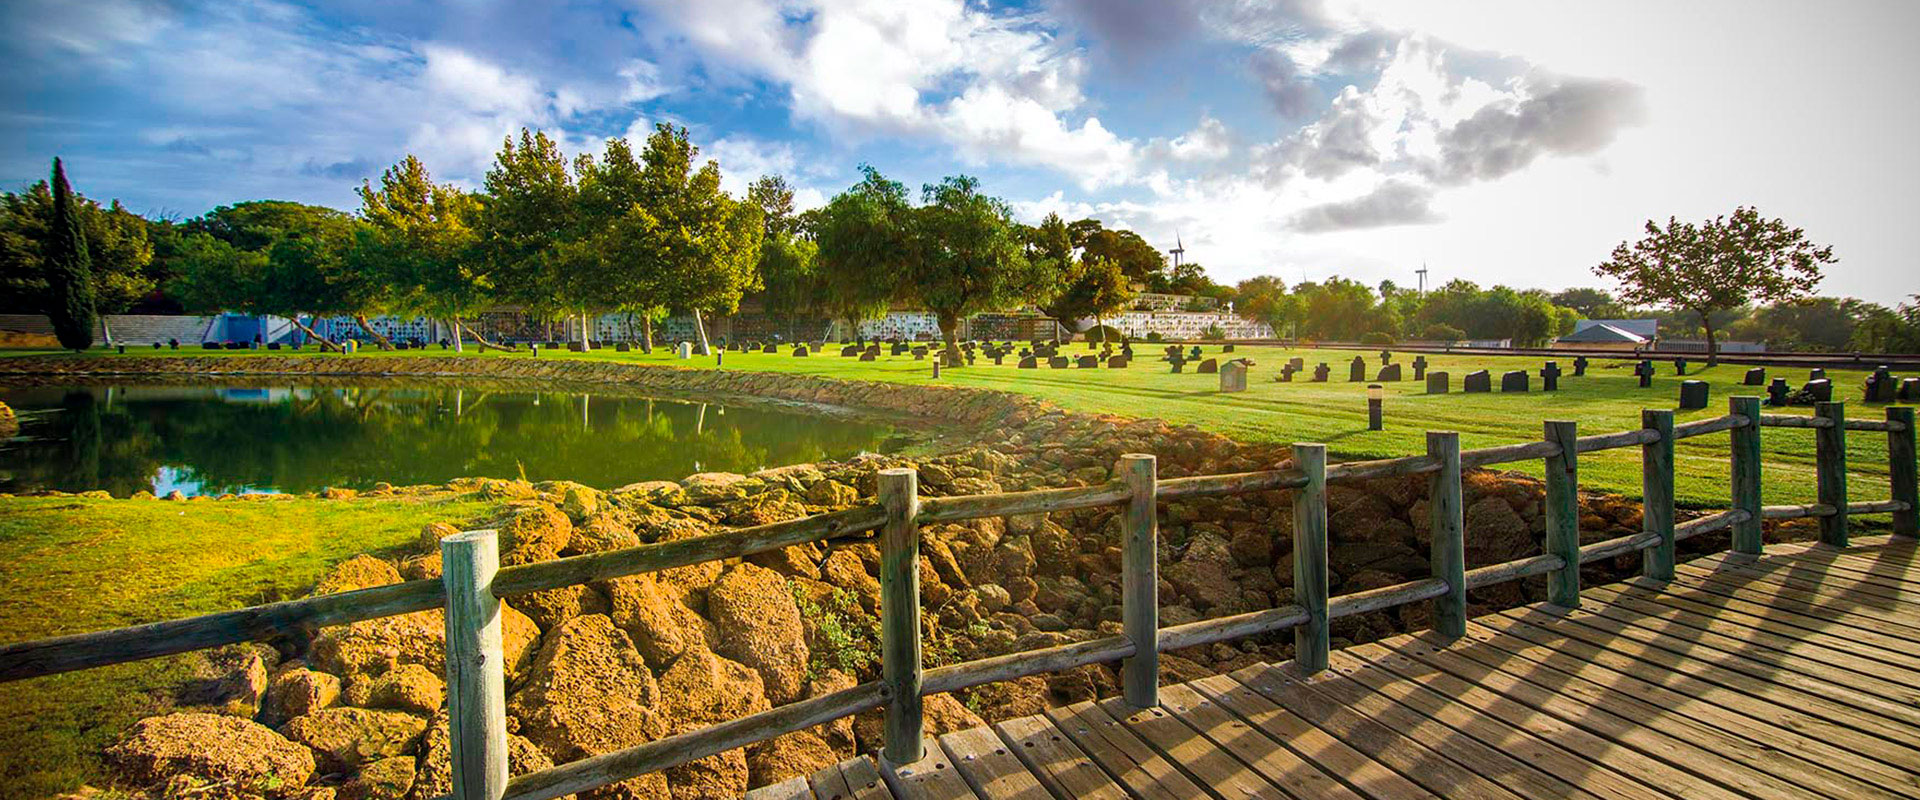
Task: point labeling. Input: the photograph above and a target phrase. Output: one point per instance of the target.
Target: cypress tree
(69, 270)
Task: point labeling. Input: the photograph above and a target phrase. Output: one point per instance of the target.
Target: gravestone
(622, 347)
(1195, 355)
(1437, 383)
(1419, 367)
(1550, 377)
(999, 358)
(1756, 376)
(1297, 363)
(1057, 362)
(1909, 389)
(1881, 387)
(1389, 373)
(1028, 362)
(870, 355)
(1173, 351)
(850, 350)
(173, 344)
(1386, 357)
(1693, 394)
(1286, 374)
(1226, 348)
(1209, 366)
(1777, 392)
(1233, 377)
(1477, 381)
(1321, 372)
(1679, 366)
(1117, 362)
(1514, 381)
(681, 350)
(800, 351)
(1179, 366)
(1579, 366)
(771, 348)
(1816, 374)
(1087, 362)
(1357, 370)
(1821, 391)
(276, 346)
(919, 354)
(1644, 369)
(899, 348)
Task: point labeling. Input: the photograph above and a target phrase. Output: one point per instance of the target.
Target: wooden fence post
(1563, 514)
(476, 666)
(1448, 553)
(1830, 470)
(1656, 489)
(1310, 640)
(900, 665)
(1746, 474)
(1140, 580)
(1901, 471)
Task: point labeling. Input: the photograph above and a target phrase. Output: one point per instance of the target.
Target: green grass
(76, 565)
(1606, 399)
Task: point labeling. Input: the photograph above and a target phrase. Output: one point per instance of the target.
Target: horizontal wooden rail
(1702, 427)
(1383, 468)
(1233, 483)
(1609, 441)
(1525, 451)
(1877, 507)
(1511, 570)
(955, 677)
(1791, 421)
(1888, 426)
(975, 506)
(1796, 512)
(1709, 523)
(1619, 546)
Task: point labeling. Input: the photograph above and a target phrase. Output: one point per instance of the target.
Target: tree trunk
(646, 334)
(1100, 324)
(950, 331)
(1713, 347)
(700, 347)
(483, 343)
(453, 326)
(317, 338)
(367, 328)
(586, 333)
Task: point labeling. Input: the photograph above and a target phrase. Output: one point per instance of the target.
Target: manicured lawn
(1606, 399)
(76, 565)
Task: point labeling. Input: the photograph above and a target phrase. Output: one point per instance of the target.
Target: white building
(1188, 325)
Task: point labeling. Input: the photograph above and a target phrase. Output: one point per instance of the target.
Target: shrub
(1376, 337)
(1112, 334)
(1442, 332)
(1153, 336)
(1213, 333)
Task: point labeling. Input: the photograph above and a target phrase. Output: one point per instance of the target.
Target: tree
(270, 257)
(1264, 298)
(1889, 331)
(864, 239)
(527, 221)
(968, 258)
(119, 253)
(1722, 263)
(1094, 288)
(788, 259)
(418, 243)
(1139, 261)
(69, 273)
(1590, 303)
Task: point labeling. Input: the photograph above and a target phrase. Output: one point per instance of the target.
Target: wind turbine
(1422, 272)
(1179, 249)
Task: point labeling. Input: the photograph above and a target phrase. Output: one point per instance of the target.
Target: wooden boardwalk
(1793, 675)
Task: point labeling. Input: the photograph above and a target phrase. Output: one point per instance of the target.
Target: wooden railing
(473, 584)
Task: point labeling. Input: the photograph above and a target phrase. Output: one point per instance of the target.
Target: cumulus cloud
(1555, 116)
(1291, 92)
(1396, 202)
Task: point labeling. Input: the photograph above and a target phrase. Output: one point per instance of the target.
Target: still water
(213, 439)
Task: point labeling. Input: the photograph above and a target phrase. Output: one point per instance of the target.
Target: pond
(215, 439)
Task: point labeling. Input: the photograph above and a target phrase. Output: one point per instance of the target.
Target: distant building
(1646, 329)
(1603, 336)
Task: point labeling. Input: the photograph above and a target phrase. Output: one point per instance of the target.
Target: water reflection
(214, 439)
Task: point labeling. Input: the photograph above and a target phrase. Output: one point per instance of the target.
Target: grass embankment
(1606, 399)
(76, 564)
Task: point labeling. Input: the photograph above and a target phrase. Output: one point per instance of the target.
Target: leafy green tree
(789, 276)
(69, 272)
(269, 257)
(1722, 263)
(417, 244)
(119, 254)
(864, 238)
(969, 258)
(706, 243)
(1264, 298)
(1094, 288)
(1590, 303)
(528, 232)
(629, 271)
(1138, 260)
(1889, 331)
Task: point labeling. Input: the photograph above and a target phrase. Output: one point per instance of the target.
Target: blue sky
(1503, 141)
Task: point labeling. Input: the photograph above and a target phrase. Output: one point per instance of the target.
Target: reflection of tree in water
(306, 439)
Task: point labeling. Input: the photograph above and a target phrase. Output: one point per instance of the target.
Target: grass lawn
(1606, 399)
(76, 565)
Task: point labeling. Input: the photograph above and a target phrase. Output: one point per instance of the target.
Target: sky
(1499, 141)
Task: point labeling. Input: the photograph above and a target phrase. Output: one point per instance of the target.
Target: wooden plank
(1056, 761)
(1410, 758)
(1801, 596)
(863, 780)
(1457, 722)
(1447, 552)
(830, 784)
(1786, 624)
(1563, 514)
(790, 789)
(1140, 580)
(1746, 473)
(1902, 471)
(1831, 751)
(1207, 764)
(900, 663)
(1130, 761)
(1308, 742)
(1264, 755)
(1892, 569)
(1656, 492)
(930, 778)
(1761, 599)
(476, 677)
(1830, 470)
(1517, 774)
(1848, 574)
(1310, 640)
(1622, 719)
(1821, 583)
(1471, 698)
(992, 770)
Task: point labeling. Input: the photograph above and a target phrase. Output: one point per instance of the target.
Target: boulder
(552, 607)
(941, 714)
(838, 734)
(422, 568)
(386, 779)
(433, 532)
(1495, 533)
(209, 748)
(589, 692)
(721, 777)
(1205, 575)
(794, 755)
(710, 488)
(408, 688)
(533, 533)
(234, 680)
(832, 493)
(359, 572)
(343, 737)
(702, 689)
(1019, 697)
(765, 508)
(660, 626)
(365, 650)
(580, 502)
(602, 532)
(758, 624)
(298, 692)
(435, 775)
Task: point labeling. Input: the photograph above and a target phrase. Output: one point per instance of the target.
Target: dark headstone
(1389, 373)
(270, 346)
(173, 344)
(1437, 383)
(1909, 390)
(1756, 376)
(1816, 374)
(1513, 381)
(1478, 380)
(1179, 365)
(801, 351)
(1579, 366)
(1321, 372)
(1195, 355)
(1357, 370)
(1777, 392)
(1117, 362)
(1679, 366)
(1693, 394)
(1550, 377)
(999, 358)
(1644, 369)
(1286, 374)
(1419, 367)
(899, 348)
(1028, 362)
(919, 354)
(575, 347)
(1209, 367)
(1881, 387)
(1057, 362)
(1087, 362)
(1820, 391)
(1386, 356)
(1226, 348)
(850, 350)
(622, 347)
(870, 355)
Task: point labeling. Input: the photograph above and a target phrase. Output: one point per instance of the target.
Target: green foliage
(1885, 331)
(120, 254)
(862, 239)
(1590, 303)
(528, 226)
(1091, 288)
(1138, 260)
(415, 252)
(1376, 337)
(847, 638)
(1213, 333)
(968, 257)
(270, 257)
(69, 269)
(1154, 336)
(1442, 332)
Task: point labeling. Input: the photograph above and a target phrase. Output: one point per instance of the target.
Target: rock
(1368, 518)
(832, 493)
(940, 714)
(1251, 547)
(589, 692)
(552, 607)
(343, 737)
(721, 777)
(765, 508)
(359, 572)
(580, 502)
(496, 489)
(234, 683)
(435, 776)
(1085, 682)
(433, 532)
(337, 493)
(533, 533)
(298, 692)
(365, 650)
(661, 627)
(386, 779)
(758, 624)
(210, 748)
(1014, 557)
(408, 688)
(1019, 697)
(993, 597)
(422, 568)
(843, 568)
(712, 488)
(602, 532)
(1204, 574)
(794, 755)
(793, 478)
(1495, 534)
(838, 734)
(702, 689)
